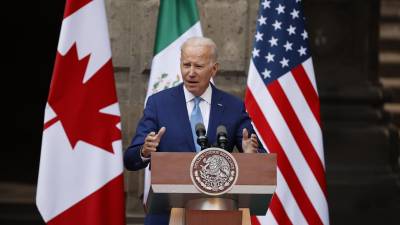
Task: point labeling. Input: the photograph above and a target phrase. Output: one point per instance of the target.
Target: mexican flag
(178, 20)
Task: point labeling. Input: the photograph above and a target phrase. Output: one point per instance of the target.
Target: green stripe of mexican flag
(177, 21)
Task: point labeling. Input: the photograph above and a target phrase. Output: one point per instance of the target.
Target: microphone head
(221, 130)
(200, 129)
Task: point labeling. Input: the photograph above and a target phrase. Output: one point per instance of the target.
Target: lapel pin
(219, 104)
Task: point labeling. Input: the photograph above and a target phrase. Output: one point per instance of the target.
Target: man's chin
(191, 86)
(194, 89)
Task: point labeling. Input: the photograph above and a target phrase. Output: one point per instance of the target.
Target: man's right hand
(151, 142)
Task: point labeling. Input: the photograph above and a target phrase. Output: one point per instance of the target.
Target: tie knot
(197, 100)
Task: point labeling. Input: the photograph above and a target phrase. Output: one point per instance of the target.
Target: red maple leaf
(78, 104)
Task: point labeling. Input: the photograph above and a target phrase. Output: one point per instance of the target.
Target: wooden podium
(173, 190)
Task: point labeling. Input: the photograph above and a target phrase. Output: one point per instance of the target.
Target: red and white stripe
(286, 117)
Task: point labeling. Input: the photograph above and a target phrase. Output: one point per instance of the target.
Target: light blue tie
(196, 118)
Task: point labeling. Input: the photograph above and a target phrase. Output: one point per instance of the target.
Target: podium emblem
(214, 171)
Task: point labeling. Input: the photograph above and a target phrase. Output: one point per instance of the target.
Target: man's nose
(191, 71)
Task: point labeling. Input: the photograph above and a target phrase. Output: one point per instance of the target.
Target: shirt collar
(206, 96)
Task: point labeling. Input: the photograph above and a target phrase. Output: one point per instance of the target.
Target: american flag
(282, 100)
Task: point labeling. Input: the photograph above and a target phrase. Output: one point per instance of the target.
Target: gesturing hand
(151, 142)
(249, 144)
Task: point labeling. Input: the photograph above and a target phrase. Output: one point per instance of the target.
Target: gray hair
(202, 41)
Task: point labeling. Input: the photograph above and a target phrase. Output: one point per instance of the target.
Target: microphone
(202, 139)
(222, 137)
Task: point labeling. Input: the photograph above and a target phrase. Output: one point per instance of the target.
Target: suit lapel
(216, 113)
(182, 115)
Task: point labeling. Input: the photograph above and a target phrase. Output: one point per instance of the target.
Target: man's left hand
(249, 144)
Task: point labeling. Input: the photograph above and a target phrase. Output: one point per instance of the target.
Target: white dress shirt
(205, 104)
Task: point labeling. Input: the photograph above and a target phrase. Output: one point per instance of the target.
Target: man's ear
(215, 69)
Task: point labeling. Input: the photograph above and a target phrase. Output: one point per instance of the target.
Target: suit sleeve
(147, 124)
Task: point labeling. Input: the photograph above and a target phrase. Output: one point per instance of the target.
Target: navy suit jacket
(168, 109)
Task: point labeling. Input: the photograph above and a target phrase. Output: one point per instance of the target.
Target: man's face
(197, 68)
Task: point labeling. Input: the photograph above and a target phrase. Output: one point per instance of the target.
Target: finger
(151, 144)
(253, 137)
(254, 144)
(254, 141)
(150, 136)
(148, 149)
(148, 152)
(149, 140)
(151, 149)
(160, 133)
(245, 134)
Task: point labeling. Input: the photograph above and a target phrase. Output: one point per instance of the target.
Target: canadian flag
(80, 175)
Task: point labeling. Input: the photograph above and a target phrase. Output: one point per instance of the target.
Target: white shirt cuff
(144, 159)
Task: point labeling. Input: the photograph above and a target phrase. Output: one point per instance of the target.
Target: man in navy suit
(166, 122)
